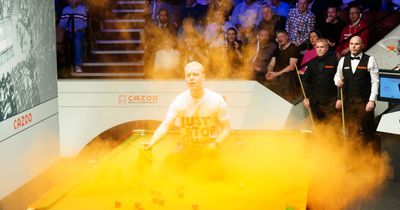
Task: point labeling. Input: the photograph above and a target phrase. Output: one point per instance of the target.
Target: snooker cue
(343, 121)
(304, 95)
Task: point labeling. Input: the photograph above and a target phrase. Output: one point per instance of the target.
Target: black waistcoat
(321, 85)
(357, 85)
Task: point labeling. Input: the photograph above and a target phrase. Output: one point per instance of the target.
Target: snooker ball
(117, 204)
(138, 205)
(195, 206)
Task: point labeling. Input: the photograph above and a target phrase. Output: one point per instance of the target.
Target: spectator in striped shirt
(74, 22)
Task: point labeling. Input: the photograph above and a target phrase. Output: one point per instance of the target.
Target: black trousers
(323, 110)
(358, 121)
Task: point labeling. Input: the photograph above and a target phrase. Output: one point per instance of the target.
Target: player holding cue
(201, 115)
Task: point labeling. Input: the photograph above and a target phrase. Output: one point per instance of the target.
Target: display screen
(27, 55)
(389, 86)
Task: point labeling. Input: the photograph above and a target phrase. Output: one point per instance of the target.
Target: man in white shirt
(201, 115)
(357, 74)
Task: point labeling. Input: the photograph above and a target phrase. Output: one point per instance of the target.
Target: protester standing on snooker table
(201, 115)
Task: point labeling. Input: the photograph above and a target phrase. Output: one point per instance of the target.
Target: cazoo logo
(22, 121)
(137, 99)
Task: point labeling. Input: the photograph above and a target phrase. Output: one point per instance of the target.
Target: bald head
(356, 45)
(357, 39)
(194, 65)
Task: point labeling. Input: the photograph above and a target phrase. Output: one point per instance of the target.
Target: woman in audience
(234, 52)
(310, 52)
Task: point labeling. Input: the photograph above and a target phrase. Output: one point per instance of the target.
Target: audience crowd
(238, 38)
(264, 40)
(278, 43)
(247, 38)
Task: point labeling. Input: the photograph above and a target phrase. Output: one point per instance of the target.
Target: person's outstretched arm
(163, 128)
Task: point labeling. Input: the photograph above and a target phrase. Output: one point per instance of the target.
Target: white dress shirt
(372, 67)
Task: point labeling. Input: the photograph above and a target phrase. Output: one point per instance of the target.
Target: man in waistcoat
(357, 75)
(318, 82)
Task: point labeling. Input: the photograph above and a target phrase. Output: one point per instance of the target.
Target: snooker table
(259, 170)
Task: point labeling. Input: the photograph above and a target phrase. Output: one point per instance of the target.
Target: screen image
(389, 88)
(27, 55)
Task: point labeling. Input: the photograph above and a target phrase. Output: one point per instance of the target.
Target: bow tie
(355, 58)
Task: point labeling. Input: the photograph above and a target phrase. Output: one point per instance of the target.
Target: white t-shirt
(198, 119)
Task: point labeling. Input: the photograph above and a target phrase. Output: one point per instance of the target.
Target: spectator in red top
(356, 24)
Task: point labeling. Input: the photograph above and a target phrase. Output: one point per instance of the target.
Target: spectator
(159, 29)
(311, 51)
(354, 27)
(214, 37)
(157, 5)
(319, 8)
(190, 26)
(281, 8)
(270, 20)
(318, 82)
(218, 5)
(234, 52)
(166, 60)
(193, 10)
(357, 74)
(263, 53)
(281, 76)
(246, 16)
(248, 37)
(214, 32)
(300, 23)
(163, 23)
(332, 27)
(74, 22)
